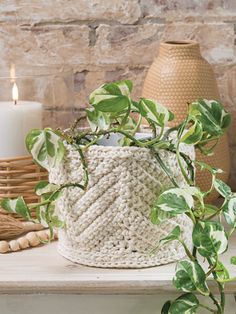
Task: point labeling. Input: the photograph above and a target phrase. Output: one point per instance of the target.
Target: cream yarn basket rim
(109, 224)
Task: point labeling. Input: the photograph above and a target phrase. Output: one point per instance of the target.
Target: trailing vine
(112, 111)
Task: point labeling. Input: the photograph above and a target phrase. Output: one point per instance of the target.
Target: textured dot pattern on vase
(178, 76)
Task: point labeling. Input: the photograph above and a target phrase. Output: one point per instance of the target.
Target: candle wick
(15, 102)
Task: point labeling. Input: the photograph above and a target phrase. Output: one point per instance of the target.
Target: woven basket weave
(109, 224)
(18, 176)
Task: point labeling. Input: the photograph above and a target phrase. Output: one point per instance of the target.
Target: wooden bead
(42, 235)
(14, 245)
(23, 242)
(4, 247)
(55, 236)
(33, 239)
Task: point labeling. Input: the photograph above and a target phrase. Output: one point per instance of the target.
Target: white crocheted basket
(109, 224)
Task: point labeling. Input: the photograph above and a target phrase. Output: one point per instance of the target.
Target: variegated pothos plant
(113, 111)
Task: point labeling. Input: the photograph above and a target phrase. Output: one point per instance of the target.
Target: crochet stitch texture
(109, 224)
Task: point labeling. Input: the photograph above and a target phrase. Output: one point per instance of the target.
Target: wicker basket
(18, 177)
(109, 224)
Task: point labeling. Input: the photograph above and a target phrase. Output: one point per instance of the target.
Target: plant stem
(190, 256)
(208, 140)
(191, 215)
(161, 133)
(213, 215)
(180, 133)
(137, 125)
(126, 115)
(221, 290)
(216, 302)
(169, 131)
(231, 232)
(49, 200)
(154, 130)
(212, 268)
(114, 130)
(91, 143)
(212, 185)
(182, 168)
(207, 151)
(220, 305)
(163, 166)
(187, 160)
(194, 253)
(206, 308)
(84, 165)
(155, 140)
(222, 296)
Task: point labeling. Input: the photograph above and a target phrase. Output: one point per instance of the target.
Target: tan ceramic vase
(178, 76)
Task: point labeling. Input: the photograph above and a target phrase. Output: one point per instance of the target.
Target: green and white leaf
(176, 201)
(210, 209)
(97, 120)
(44, 187)
(154, 112)
(214, 119)
(112, 97)
(166, 307)
(233, 260)
(190, 277)
(195, 191)
(221, 271)
(129, 125)
(17, 206)
(161, 145)
(46, 147)
(193, 135)
(222, 188)
(173, 235)
(47, 216)
(158, 215)
(212, 170)
(185, 304)
(229, 211)
(125, 86)
(210, 238)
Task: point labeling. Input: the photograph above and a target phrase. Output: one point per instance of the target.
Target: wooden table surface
(43, 270)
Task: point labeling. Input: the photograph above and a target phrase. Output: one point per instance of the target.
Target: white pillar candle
(17, 118)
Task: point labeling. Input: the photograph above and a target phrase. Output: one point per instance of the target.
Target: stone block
(230, 4)
(216, 40)
(126, 45)
(86, 82)
(49, 11)
(158, 8)
(58, 118)
(44, 45)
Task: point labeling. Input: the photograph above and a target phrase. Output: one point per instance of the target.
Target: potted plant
(102, 197)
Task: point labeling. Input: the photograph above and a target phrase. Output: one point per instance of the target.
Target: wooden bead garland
(31, 239)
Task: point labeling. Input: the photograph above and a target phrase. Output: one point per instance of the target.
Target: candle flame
(15, 93)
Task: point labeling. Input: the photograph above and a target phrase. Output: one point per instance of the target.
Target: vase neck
(180, 50)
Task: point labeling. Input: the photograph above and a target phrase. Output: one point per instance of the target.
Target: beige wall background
(105, 40)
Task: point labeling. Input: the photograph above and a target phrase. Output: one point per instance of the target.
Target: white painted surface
(90, 304)
(39, 281)
(43, 270)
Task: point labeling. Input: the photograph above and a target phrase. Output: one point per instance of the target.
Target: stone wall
(105, 40)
